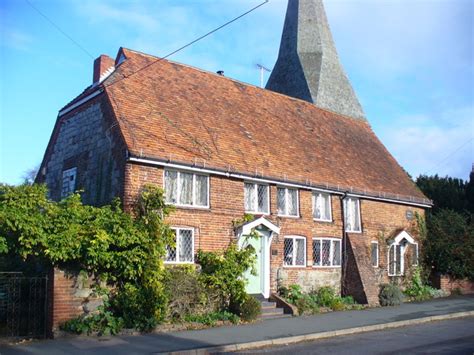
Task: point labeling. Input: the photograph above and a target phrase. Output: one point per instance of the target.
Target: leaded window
(182, 251)
(294, 251)
(326, 252)
(287, 201)
(321, 206)
(352, 214)
(374, 254)
(186, 189)
(68, 182)
(256, 198)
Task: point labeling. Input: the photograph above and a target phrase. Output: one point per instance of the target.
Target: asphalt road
(445, 337)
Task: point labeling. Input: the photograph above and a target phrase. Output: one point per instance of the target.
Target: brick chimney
(101, 65)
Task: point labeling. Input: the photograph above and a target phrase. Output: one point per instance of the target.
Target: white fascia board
(80, 102)
(268, 181)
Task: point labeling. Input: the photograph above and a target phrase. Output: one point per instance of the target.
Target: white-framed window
(69, 182)
(294, 252)
(395, 260)
(257, 198)
(322, 206)
(352, 214)
(326, 252)
(374, 253)
(183, 250)
(287, 201)
(186, 189)
(414, 255)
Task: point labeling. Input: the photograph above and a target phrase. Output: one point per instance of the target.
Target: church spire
(308, 66)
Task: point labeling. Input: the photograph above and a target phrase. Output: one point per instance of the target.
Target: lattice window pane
(186, 189)
(356, 216)
(171, 252)
(292, 202)
(201, 190)
(398, 257)
(374, 252)
(171, 186)
(326, 252)
(69, 182)
(288, 251)
(414, 257)
(300, 251)
(336, 253)
(249, 192)
(185, 245)
(317, 252)
(262, 198)
(391, 260)
(281, 201)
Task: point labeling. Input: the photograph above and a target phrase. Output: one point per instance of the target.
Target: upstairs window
(287, 201)
(256, 198)
(183, 250)
(69, 182)
(321, 206)
(352, 214)
(326, 252)
(294, 251)
(374, 254)
(186, 189)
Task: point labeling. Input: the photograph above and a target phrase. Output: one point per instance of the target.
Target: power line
(59, 29)
(190, 43)
(450, 155)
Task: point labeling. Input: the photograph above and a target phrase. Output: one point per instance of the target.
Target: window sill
(258, 213)
(191, 207)
(326, 267)
(288, 216)
(178, 262)
(294, 266)
(323, 220)
(354, 232)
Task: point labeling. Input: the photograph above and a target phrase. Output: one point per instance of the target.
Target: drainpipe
(344, 243)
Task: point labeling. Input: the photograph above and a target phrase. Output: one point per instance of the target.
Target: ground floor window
(374, 253)
(295, 251)
(326, 252)
(183, 249)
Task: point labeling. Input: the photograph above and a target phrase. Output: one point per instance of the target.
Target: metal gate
(23, 305)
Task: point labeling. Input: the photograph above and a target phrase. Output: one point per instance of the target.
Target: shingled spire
(308, 66)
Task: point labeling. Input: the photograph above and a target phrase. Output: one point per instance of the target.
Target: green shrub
(325, 296)
(187, 295)
(348, 300)
(417, 290)
(250, 309)
(337, 304)
(390, 295)
(211, 319)
(223, 273)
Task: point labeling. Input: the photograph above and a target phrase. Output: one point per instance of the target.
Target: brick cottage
(331, 205)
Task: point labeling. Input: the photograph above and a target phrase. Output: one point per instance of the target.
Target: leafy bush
(223, 273)
(417, 290)
(449, 248)
(186, 293)
(390, 295)
(126, 250)
(102, 322)
(250, 309)
(310, 303)
(211, 319)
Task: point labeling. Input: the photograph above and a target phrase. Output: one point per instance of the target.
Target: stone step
(268, 304)
(275, 311)
(274, 316)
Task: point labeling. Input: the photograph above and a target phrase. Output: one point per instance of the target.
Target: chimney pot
(101, 65)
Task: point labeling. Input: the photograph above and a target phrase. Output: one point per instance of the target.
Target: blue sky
(410, 62)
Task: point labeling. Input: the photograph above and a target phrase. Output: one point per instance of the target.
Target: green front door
(254, 282)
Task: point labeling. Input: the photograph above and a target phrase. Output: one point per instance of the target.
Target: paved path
(268, 329)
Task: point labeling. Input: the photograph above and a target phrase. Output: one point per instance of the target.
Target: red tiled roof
(173, 111)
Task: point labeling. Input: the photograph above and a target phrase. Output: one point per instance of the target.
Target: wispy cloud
(16, 39)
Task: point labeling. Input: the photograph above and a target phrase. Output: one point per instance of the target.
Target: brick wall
(213, 231)
(447, 283)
